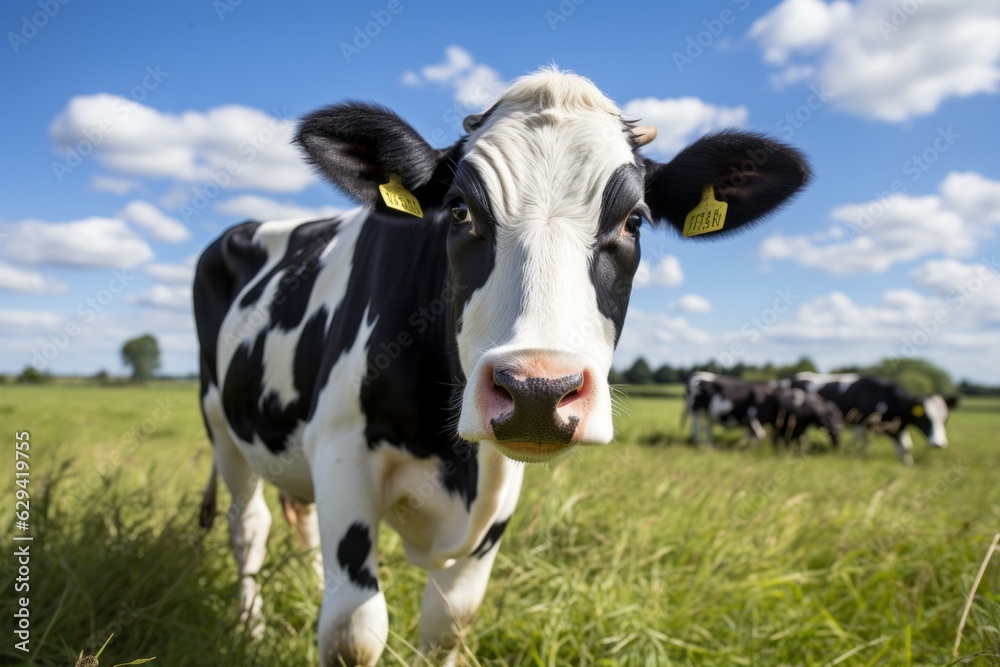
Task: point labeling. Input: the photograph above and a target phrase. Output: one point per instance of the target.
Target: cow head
(545, 197)
(930, 414)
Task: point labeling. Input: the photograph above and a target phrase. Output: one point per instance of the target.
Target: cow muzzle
(535, 407)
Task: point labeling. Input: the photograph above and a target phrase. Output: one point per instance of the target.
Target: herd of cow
(830, 402)
(401, 362)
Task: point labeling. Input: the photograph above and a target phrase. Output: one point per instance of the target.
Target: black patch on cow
(616, 257)
(471, 246)
(298, 268)
(352, 552)
(225, 267)
(492, 536)
(400, 277)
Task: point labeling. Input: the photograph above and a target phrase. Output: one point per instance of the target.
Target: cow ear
(357, 145)
(753, 174)
(951, 401)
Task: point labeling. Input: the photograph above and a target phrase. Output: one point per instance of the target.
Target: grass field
(648, 552)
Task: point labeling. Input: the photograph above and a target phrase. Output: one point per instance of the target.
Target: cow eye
(633, 223)
(460, 213)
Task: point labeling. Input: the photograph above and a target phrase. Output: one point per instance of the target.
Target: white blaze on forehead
(937, 411)
(544, 154)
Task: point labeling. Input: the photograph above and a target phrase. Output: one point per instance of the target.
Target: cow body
(728, 400)
(378, 367)
(881, 405)
(733, 401)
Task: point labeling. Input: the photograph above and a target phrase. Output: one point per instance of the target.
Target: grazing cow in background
(387, 366)
(712, 398)
(798, 410)
(882, 405)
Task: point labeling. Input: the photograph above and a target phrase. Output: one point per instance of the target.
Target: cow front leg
(353, 620)
(904, 447)
(451, 599)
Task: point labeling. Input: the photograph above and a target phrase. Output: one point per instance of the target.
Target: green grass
(648, 552)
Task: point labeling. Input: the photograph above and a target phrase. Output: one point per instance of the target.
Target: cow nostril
(569, 398)
(502, 391)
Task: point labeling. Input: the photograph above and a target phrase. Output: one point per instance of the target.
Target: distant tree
(665, 375)
(102, 377)
(970, 388)
(916, 375)
(31, 375)
(640, 373)
(143, 355)
(803, 365)
(615, 377)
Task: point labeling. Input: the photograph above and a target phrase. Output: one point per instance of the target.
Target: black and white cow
(798, 410)
(878, 404)
(376, 366)
(733, 401)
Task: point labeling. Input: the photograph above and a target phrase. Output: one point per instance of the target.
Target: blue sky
(888, 252)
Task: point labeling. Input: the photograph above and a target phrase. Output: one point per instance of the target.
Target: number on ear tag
(708, 216)
(399, 198)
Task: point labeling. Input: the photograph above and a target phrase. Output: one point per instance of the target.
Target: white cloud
(667, 273)
(89, 243)
(692, 303)
(885, 59)
(876, 235)
(974, 287)
(113, 184)
(250, 147)
(170, 297)
(13, 279)
(263, 208)
(174, 274)
(679, 121)
(156, 222)
(797, 26)
(20, 322)
(474, 85)
(973, 196)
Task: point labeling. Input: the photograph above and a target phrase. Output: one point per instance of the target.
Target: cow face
(545, 200)
(930, 415)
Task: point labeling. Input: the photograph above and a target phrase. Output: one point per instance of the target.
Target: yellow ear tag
(708, 216)
(918, 410)
(397, 197)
